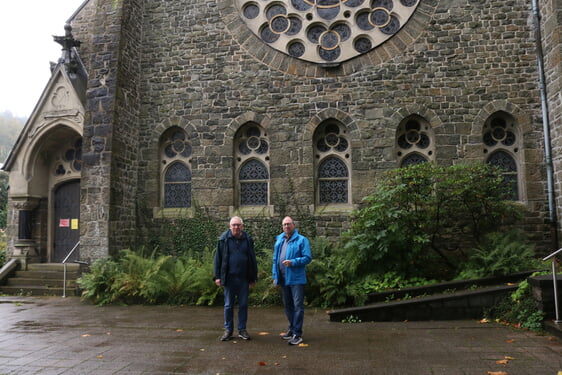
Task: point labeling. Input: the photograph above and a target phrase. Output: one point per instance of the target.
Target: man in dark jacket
(235, 269)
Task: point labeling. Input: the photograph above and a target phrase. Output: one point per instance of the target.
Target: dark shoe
(243, 334)
(295, 340)
(287, 336)
(227, 335)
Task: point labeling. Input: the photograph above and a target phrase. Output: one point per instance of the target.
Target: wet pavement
(54, 335)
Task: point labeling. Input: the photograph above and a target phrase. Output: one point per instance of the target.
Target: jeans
(293, 300)
(241, 289)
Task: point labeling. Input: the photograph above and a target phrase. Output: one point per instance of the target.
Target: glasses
(235, 225)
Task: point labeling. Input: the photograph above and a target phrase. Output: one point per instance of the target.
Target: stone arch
(331, 113)
(262, 120)
(523, 120)
(39, 153)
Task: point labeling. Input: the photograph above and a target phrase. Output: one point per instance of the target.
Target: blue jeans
(241, 289)
(293, 300)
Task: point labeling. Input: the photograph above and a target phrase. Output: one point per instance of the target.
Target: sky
(26, 39)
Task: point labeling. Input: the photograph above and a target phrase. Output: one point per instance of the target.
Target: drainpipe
(546, 129)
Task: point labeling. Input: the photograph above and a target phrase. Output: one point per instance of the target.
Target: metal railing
(553, 255)
(64, 266)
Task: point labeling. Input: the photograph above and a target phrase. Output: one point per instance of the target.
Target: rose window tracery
(325, 31)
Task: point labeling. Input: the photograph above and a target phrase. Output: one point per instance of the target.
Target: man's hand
(287, 263)
(218, 282)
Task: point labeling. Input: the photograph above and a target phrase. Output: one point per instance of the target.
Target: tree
(3, 199)
(421, 219)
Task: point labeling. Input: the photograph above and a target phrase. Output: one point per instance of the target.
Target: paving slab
(54, 335)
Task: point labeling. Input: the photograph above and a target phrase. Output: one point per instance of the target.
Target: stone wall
(197, 67)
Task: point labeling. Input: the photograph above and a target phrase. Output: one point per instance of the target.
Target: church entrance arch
(66, 220)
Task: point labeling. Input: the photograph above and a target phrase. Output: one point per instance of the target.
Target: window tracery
(252, 165)
(501, 143)
(414, 141)
(332, 150)
(325, 31)
(176, 155)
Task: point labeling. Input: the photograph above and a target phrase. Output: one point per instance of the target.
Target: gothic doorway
(67, 215)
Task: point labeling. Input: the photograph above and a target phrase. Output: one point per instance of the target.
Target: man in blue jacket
(235, 269)
(291, 254)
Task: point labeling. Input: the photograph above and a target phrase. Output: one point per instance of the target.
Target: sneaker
(287, 336)
(295, 340)
(227, 335)
(243, 334)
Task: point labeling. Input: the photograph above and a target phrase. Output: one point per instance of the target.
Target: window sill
(251, 211)
(172, 212)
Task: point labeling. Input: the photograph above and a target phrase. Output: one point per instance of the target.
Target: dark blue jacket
(220, 267)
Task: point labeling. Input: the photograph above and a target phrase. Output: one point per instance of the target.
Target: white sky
(26, 40)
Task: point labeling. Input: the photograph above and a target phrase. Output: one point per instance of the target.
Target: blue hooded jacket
(298, 252)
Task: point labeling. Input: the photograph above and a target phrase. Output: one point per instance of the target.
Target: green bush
(420, 218)
(518, 309)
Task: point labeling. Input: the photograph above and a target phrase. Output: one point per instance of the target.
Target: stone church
(157, 107)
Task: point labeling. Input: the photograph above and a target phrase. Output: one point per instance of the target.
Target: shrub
(518, 309)
(420, 218)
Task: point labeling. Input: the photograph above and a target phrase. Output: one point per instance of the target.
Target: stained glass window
(333, 178)
(177, 186)
(504, 161)
(176, 174)
(253, 178)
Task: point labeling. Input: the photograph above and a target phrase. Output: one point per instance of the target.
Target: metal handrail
(553, 255)
(64, 266)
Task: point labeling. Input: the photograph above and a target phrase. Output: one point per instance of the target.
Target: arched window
(501, 143)
(253, 183)
(175, 155)
(414, 141)
(332, 177)
(332, 160)
(252, 165)
(177, 185)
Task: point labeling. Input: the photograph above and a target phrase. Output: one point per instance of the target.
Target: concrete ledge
(454, 306)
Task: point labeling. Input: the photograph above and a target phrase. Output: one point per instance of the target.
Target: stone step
(48, 282)
(30, 290)
(44, 275)
(43, 279)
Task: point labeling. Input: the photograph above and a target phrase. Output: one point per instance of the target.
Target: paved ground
(55, 335)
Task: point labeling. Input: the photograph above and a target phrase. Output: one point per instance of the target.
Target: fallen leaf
(510, 341)
(262, 363)
(263, 333)
(508, 357)
(235, 342)
(202, 350)
(497, 373)
(502, 362)
(179, 330)
(552, 338)
(284, 357)
(559, 372)
(303, 345)
(276, 364)
(86, 335)
(510, 284)
(100, 356)
(484, 321)
(108, 333)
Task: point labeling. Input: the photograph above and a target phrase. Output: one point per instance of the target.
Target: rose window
(325, 31)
